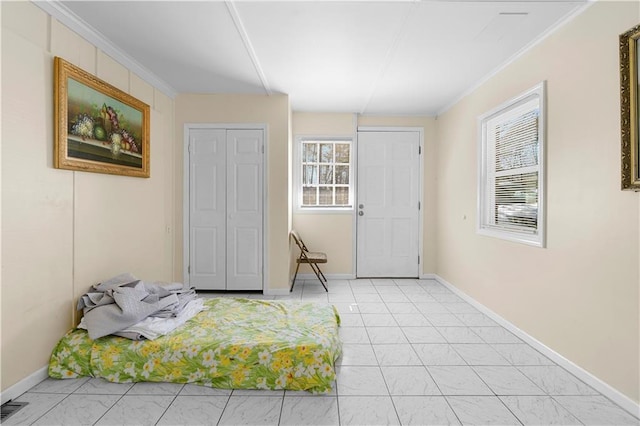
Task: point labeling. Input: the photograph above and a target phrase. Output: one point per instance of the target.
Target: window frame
(298, 175)
(486, 165)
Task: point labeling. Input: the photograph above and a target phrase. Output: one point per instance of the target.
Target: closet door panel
(244, 209)
(207, 208)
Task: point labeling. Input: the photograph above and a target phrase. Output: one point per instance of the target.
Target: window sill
(323, 210)
(528, 239)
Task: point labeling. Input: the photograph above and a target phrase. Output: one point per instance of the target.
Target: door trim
(420, 131)
(185, 192)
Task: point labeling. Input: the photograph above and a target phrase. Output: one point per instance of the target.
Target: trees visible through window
(511, 172)
(326, 173)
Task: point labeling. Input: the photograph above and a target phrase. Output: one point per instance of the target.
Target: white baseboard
(605, 389)
(428, 277)
(25, 384)
(276, 292)
(352, 277)
(300, 277)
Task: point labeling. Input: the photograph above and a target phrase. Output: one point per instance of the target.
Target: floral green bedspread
(232, 343)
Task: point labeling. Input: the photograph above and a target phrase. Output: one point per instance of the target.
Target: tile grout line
(284, 393)
(474, 371)
(50, 409)
(224, 408)
(170, 404)
(467, 364)
(112, 405)
(456, 347)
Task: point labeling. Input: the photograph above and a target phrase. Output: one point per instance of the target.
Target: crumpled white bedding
(122, 301)
(153, 327)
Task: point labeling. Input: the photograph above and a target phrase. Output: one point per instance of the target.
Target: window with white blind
(511, 169)
(324, 174)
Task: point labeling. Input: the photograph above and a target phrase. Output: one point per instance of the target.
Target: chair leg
(294, 277)
(319, 273)
(319, 270)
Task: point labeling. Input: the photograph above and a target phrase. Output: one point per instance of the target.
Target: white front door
(225, 209)
(388, 204)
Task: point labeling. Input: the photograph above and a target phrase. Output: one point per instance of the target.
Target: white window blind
(511, 170)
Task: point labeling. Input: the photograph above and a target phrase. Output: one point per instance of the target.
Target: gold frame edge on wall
(629, 114)
(111, 161)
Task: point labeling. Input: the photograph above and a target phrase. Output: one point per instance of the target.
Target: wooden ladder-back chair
(311, 258)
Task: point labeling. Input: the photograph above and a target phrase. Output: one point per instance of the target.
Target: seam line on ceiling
(231, 7)
(390, 54)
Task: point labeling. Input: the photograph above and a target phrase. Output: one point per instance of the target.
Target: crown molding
(562, 22)
(63, 14)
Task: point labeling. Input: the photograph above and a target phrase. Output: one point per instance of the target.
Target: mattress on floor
(232, 344)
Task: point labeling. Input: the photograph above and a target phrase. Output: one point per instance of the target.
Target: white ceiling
(369, 57)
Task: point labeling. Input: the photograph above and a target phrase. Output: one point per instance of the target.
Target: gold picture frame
(629, 101)
(98, 128)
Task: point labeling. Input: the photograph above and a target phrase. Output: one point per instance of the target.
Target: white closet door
(244, 209)
(387, 227)
(207, 208)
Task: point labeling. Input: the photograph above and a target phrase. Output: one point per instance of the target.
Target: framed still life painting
(98, 128)
(629, 108)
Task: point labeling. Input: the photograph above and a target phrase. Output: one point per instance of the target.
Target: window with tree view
(511, 173)
(325, 173)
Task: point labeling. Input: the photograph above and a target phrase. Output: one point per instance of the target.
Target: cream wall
(333, 232)
(328, 232)
(63, 231)
(273, 111)
(580, 294)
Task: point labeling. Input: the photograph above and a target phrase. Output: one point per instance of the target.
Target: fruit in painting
(99, 132)
(83, 126)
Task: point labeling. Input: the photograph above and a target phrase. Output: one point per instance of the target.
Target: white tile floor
(414, 354)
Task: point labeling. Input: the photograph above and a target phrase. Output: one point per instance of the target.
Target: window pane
(517, 200)
(310, 175)
(342, 175)
(326, 153)
(326, 196)
(309, 196)
(326, 175)
(342, 152)
(516, 142)
(310, 153)
(342, 196)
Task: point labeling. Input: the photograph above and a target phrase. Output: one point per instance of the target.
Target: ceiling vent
(502, 24)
